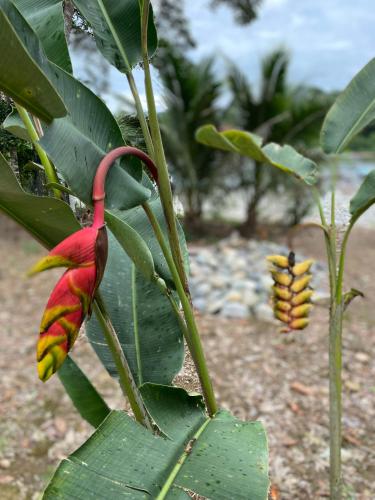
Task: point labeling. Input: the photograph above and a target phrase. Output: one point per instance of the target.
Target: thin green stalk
(316, 196)
(141, 115)
(164, 183)
(49, 169)
(340, 274)
(167, 292)
(193, 339)
(333, 192)
(180, 462)
(127, 384)
(335, 348)
(135, 326)
(335, 400)
(331, 251)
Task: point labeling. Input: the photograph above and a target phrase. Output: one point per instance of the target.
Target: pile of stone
(231, 278)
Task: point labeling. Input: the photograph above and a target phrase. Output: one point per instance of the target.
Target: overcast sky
(328, 40)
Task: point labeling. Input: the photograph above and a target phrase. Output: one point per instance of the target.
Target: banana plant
(352, 111)
(126, 271)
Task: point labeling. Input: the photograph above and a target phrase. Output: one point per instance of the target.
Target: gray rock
(200, 304)
(250, 298)
(264, 312)
(235, 310)
(202, 290)
(215, 306)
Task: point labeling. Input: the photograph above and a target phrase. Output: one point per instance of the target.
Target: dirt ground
(257, 373)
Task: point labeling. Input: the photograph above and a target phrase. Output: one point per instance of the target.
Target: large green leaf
(138, 220)
(133, 244)
(364, 197)
(83, 394)
(147, 328)
(48, 220)
(173, 409)
(352, 111)
(14, 125)
(250, 145)
(78, 142)
(24, 68)
(117, 30)
(219, 458)
(47, 20)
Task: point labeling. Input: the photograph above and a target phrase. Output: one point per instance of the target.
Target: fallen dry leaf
(274, 492)
(302, 389)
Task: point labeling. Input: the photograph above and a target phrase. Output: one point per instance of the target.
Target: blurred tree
(191, 93)
(281, 114)
(174, 25)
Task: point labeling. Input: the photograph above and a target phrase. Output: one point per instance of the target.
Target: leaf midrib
(346, 138)
(115, 36)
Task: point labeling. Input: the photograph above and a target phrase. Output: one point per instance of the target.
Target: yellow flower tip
(45, 368)
(302, 297)
(281, 293)
(282, 278)
(282, 305)
(301, 283)
(301, 311)
(278, 260)
(50, 363)
(47, 343)
(281, 316)
(49, 262)
(302, 267)
(299, 324)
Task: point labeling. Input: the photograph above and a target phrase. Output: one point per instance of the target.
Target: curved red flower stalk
(84, 254)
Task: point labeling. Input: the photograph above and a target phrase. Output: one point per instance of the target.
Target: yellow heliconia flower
(282, 316)
(282, 305)
(282, 278)
(302, 267)
(300, 284)
(301, 311)
(291, 292)
(282, 292)
(279, 261)
(301, 297)
(299, 324)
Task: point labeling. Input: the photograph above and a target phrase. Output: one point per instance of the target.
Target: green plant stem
(335, 399)
(330, 249)
(340, 274)
(193, 339)
(168, 293)
(335, 347)
(316, 196)
(178, 313)
(141, 116)
(49, 169)
(126, 380)
(164, 183)
(135, 326)
(180, 462)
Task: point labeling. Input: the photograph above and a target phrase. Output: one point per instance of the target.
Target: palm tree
(281, 114)
(191, 92)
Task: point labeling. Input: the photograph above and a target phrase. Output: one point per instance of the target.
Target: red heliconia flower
(84, 254)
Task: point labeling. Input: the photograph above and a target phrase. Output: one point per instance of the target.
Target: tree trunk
(249, 227)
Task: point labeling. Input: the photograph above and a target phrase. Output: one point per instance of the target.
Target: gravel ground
(258, 374)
